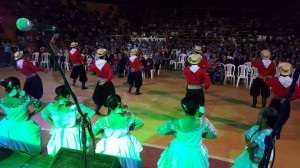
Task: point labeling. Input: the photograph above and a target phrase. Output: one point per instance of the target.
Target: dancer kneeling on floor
(187, 149)
(116, 139)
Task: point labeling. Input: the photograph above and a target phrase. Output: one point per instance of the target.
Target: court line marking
(211, 156)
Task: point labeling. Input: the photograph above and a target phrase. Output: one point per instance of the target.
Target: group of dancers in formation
(20, 132)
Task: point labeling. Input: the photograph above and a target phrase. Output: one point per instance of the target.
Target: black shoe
(138, 93)
(83, 88)
(278, 137)
(253, 105)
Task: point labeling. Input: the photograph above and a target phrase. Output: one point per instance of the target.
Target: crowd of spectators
(240, 38)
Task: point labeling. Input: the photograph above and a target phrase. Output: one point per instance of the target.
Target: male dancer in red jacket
(135, 75)
(265, 68)
(280, 87)
(197, 80)
(78, 66)
(104, 87)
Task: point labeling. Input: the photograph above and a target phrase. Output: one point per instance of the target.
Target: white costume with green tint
(117, 140)
(66, 131)
(17, 131)
(187, 149)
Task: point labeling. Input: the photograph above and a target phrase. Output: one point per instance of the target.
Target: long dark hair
(9, 83)
(271, 115)
(113, 101)
(62, 90)
(189, 106)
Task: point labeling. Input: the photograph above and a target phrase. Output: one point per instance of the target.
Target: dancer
(280, 87)
(116, 139)
(255, 137)
(197, 79)
(203, 63)
(78, 66)
(64, 116)
(135, 75)
(18, 130)
(187, 149)
(265, 68)
(104, 86)
(33, 84)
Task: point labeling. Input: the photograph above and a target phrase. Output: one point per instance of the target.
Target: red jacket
(135, 65)
(28, 69)
(204, 64)
(262, 70)
(279, 90)
(106, 71)
(75, 57)
(197, 78)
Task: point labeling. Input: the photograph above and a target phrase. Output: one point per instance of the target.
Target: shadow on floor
(232, 123)
(157, 116)
(228, 99)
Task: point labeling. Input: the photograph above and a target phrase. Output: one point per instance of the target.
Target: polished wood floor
(227, 107)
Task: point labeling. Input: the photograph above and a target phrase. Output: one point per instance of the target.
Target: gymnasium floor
(227, 107)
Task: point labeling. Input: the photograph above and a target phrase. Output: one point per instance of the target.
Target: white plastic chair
(181, 61)
(248, 64)
(45, 63)
(35, 56)
(254, 74)
(66, 65)
(229, 73)
(242, 74)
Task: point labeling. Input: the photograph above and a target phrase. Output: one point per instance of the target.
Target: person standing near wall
(7, 52)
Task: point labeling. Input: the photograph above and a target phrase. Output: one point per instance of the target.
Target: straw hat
(285, 68)
(265, 54)
(73, 44)
(101, 52)
(133, 51)
(18, 55)
(197, 49)
(194, 58)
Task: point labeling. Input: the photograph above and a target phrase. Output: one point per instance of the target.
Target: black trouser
(259, 87)
(283, 115)
(79, 71)
(197, 95)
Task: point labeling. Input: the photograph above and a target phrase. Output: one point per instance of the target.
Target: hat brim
(282, 72)
(285, 73)
(100, 55)
(193, 62)
(19, 56)
(266, 58)
(198, 51)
